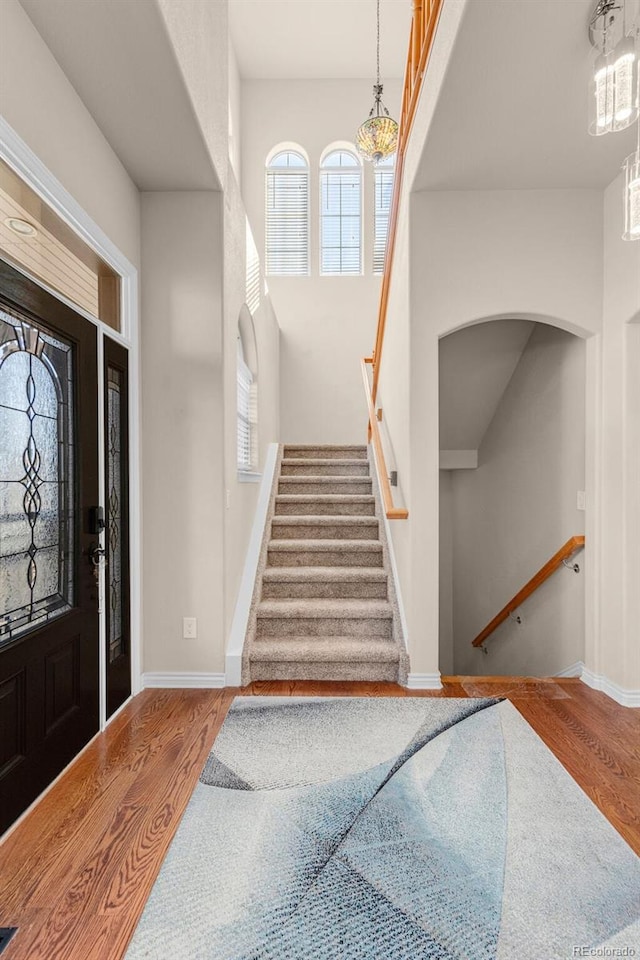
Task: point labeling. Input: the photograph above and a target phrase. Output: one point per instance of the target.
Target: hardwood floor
(76, 872)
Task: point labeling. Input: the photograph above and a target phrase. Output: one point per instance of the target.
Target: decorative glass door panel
(36, 472)
(116, 412)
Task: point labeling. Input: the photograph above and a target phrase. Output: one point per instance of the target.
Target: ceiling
(476, 364)
(512, 110)
(319, 39)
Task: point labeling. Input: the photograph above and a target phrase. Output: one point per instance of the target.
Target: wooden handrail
(393, 513)
(423, 28)
(570, 547)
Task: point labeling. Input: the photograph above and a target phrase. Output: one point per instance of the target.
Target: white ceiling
(319, 39)
(512, 112)
(476, 364)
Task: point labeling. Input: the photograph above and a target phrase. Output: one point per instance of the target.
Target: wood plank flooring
(76, 872)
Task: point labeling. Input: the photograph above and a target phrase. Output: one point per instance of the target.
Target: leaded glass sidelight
(114, 512)
(36, 475)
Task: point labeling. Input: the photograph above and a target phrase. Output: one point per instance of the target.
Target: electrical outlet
(582, 500)
(189, 628)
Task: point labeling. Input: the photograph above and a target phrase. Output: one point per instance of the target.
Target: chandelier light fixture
(613, 89)
(377, 137)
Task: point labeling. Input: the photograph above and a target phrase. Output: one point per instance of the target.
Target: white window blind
(340, 214)
(246, 418)
(287, 215)
(383, 176)
(252, 273)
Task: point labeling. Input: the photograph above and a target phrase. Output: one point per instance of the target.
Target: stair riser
(326, 453)
(372, 672)
(316, 469)
(318, 508)
(322, 628)
(374, 590)
(313, 558)
(362, 487)
(328, 531)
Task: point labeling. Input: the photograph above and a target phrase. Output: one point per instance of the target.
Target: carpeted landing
(394, 829)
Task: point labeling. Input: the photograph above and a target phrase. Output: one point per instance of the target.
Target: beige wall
(615, 650)
(512, 513)
(199, 33)
(182, 442)
(327, 323)
(470, 256)
(240, 497)
(44, 109)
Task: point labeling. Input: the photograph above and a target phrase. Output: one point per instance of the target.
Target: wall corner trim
(235, 646)
(575, 670)
(424, 681)
(626, 698)
(171, 681)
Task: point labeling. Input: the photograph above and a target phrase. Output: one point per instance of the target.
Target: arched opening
(512, 414)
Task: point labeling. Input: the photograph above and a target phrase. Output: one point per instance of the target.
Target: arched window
(287, 215)
(341, 213)
(383, 174)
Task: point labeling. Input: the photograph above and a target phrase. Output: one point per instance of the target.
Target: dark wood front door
(49, 646)
(116, 485)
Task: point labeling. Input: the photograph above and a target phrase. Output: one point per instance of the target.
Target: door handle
(96, 554)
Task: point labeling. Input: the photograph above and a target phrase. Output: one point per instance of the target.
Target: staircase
(324, 606)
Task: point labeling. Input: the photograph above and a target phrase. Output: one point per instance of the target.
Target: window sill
(249, 476)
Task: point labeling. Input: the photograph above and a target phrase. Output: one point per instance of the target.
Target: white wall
(472, 256)
(328, 323)
(41, 105)
(445, 611)
(512, 513)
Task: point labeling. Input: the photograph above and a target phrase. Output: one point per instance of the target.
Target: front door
(49, 646)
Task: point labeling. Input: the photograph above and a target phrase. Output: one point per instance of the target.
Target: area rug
(388, 829)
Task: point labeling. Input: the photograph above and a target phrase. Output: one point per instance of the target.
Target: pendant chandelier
(377, 137)
(614, 75)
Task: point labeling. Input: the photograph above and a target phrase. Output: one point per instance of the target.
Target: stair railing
(561, 557)
(393, 513)
(423, 28)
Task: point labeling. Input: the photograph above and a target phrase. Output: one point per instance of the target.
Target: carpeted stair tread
(325, 609)
(325, 546)
(322, 526)
(310, 451)
(323, 574)
(330, 505)
(323, 461)
(323, 481)
(325, 649)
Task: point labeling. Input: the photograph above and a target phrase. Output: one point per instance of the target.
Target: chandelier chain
(378, 42)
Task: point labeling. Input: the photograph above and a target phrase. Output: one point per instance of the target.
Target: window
(383, 189)
(340, 214)
(287, 215)
(246, 426)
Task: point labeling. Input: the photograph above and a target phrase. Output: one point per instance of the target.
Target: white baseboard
(204, 681)
(233, 657)
(626, 698)
(424, 681)
(575, 670)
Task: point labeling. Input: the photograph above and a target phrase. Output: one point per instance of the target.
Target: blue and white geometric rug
(388, 829)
